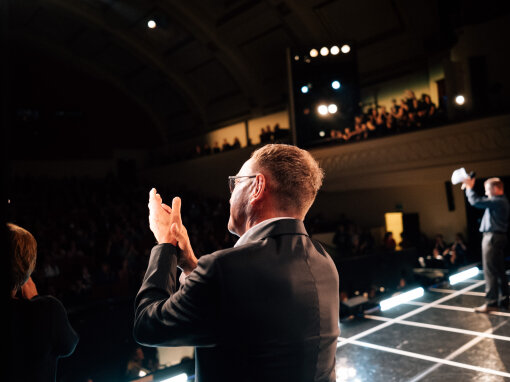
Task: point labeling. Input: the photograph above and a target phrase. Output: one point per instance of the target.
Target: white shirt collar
(245, 238)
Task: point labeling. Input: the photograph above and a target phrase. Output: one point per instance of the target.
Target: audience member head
(23, 254)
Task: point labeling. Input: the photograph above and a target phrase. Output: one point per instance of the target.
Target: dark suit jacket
(263, 311)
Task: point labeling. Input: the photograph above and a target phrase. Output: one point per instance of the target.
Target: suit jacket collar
(271, 228)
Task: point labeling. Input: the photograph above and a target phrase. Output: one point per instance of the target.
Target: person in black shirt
(40, 332)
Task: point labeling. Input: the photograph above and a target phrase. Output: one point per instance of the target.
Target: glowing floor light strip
(401, 298)
(178, 378)
(464, 275)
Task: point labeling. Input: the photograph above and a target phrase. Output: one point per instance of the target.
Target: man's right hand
(166, 224)
(468, 183)
(160, 219)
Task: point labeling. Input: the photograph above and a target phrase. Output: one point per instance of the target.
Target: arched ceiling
(211, 62)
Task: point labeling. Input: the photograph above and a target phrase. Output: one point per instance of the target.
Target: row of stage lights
(324, 51)
(418, 292)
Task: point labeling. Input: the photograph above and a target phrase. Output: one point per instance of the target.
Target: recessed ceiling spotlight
(460, 100)
(314, 53)
(324, 51)
(335, 85)
(346, 48)
(332, 109)
(151, 24)
(322, 110)
(334, 50)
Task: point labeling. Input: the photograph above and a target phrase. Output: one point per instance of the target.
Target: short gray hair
(296, 175)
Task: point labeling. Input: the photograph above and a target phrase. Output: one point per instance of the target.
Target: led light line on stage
(409, 314)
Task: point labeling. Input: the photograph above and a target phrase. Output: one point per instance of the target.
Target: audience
(267, 135)
(94, 237)
(389, 243)
(407, 115)
(445, 256)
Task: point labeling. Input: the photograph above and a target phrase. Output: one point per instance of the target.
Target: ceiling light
(151, 24)
(346, 48)
(460, 100)
(314, 53)
(322, 110)
(324, 51)
(335, 85)
(304, 89)
(332, 109)
(334, 50)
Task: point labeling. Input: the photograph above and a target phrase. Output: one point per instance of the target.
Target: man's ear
(259, 190)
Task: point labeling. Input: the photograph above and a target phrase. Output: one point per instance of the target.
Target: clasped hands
(166, 224)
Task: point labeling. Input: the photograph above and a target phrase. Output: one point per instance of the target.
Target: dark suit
(263, 311)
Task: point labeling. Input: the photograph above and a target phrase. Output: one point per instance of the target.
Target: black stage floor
(437, 337)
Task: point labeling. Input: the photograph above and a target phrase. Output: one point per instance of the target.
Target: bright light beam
(178, 378)
(464, 275)
(401, 298)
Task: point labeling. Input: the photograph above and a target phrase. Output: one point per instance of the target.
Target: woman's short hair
(22, 253)
(295, 174)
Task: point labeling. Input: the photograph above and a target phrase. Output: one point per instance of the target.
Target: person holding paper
(494, 226)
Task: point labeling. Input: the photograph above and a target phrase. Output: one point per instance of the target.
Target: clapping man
(266, 309)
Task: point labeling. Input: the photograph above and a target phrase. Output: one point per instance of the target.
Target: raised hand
(160, 219)
(468, 183)
(187, 260)
(166, 224)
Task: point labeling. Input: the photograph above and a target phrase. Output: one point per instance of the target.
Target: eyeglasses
(232, 181)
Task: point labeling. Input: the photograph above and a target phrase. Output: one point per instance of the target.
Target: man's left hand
(160, 219)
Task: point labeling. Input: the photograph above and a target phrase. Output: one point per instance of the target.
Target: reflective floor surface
(437, 337)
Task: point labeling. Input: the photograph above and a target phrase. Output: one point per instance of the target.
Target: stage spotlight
(332, 109)
(464, 275)
(314, 53)
(324, 51)
(346, 48)
(304, 89)
(335, 85)
(151, 24)
(460, 100)
(334, 50)
(401, 298)
(322, 134)
(322, 110)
